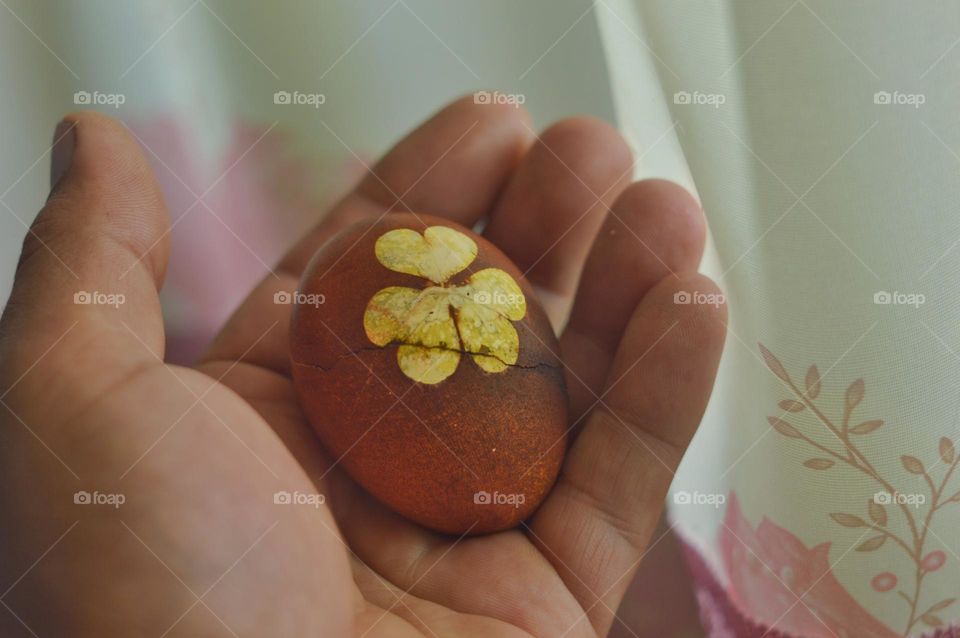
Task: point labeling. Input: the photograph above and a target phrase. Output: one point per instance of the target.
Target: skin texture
(427, 449)
(199, 546)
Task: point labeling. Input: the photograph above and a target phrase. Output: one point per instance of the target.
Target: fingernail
(64, 140)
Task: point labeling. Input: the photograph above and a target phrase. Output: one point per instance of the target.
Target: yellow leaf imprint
(434, 324)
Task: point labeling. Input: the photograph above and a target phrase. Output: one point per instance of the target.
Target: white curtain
(823, 140)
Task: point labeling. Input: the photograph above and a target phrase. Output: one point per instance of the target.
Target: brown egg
(428, 368)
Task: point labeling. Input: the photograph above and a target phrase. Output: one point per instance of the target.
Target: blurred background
(211, 88)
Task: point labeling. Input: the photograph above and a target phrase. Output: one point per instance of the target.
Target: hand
(198, 547)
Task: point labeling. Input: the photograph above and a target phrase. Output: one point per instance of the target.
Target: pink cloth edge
(722, 619)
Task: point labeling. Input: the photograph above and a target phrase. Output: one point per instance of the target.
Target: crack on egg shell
(356, 352)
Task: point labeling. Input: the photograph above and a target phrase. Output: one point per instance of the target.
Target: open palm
(199, 547)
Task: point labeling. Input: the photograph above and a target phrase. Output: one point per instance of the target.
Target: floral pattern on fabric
(722, 618)
(891, 519)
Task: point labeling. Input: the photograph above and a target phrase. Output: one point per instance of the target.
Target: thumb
(84, 299)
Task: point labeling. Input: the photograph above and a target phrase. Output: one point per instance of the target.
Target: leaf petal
(931, 620)
(912, 464)
(774, 364)
(789, 405)
(872, 544)
(784, 428)
(878, 513)
(486, 332)
(854, 394)
(867, 426)
(943, 604)
(437, 255)
(848, 520)
(488, 363)
(383, 320)
(947, 452)
(812, 381)
(818, 464)
(429, 322)
(427, 365)
(495, 289)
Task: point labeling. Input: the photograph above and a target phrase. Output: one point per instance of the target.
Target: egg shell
(474, 453)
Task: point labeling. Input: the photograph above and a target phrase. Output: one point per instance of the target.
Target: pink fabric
(258, 196)
(780, 588)
(722, 617)
(781, 582)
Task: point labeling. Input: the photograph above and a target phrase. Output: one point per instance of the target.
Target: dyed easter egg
(430, 373)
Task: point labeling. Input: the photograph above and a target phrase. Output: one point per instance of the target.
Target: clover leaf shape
(437, 323)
